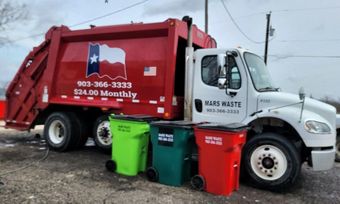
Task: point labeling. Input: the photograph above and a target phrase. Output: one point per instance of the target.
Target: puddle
(89, 143)
(4, 144)
(9, 145)
(32, 142)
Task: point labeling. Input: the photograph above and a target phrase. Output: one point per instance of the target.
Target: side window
(210, 70)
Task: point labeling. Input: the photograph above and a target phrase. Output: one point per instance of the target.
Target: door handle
(198, 105)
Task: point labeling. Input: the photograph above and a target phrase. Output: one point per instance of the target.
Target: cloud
(319, 27)
(258, 3)
(41, 19)
(175, 7)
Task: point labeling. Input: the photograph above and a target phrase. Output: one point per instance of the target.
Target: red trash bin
(219, 157)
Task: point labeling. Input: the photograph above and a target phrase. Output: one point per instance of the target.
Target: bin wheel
(152, 174)
(198, 182)
(111, 165)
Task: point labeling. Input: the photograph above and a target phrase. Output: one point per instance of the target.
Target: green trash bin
(130, 139)
(173, 145)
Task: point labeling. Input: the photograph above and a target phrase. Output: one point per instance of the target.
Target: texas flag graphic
(105, 61)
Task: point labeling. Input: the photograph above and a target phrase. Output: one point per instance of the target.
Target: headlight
(317, 127)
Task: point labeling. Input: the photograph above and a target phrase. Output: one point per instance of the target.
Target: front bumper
(322, 159)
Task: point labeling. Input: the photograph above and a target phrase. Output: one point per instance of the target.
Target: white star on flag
(94, 58)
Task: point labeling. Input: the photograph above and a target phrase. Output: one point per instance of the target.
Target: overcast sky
(305, 49)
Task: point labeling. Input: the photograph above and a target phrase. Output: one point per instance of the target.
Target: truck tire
(270, 161)
(62, 131)
(337, 149)
(102, 134)
(85, 129)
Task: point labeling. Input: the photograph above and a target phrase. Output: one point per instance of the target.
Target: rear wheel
(271, 161)
(62, 131)
(85, 128)
(102, 134)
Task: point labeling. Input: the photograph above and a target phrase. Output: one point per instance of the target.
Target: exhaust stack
(189, 72)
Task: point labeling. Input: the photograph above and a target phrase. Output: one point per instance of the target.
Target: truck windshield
(259, 73)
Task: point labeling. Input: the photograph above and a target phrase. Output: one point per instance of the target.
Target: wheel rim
(56, 132)
(104, 134)
(268, 162)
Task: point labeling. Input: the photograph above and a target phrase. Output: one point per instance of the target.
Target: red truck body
(130, 69)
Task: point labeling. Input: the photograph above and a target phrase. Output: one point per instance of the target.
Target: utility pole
(267, 38)
(206, 16)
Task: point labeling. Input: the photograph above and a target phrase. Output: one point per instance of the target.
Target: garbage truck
(171, 70)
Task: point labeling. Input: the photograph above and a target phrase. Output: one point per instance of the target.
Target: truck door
(211, 102)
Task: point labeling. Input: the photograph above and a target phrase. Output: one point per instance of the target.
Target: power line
(24, 38)
(87, 21)
(306, 9)
(288, 10)
(111, 13)
(305, 56)
(237, 26)
(308, 41)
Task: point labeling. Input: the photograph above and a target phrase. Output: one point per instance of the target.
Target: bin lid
(137, 117)
(174, 124)
(231, 127)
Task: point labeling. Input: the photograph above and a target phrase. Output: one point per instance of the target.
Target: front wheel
(337, 149)
(271, 161)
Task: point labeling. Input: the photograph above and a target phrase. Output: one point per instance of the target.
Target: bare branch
(10, 13)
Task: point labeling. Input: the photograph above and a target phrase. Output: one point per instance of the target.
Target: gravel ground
(80, 177)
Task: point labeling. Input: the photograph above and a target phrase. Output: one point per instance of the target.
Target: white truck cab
(286, 130)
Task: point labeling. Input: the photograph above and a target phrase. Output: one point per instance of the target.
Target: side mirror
(302, 94)
(233, 80)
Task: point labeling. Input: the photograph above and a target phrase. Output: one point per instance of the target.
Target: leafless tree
(10, 13)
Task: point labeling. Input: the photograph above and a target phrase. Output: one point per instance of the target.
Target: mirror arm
(302, 96)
